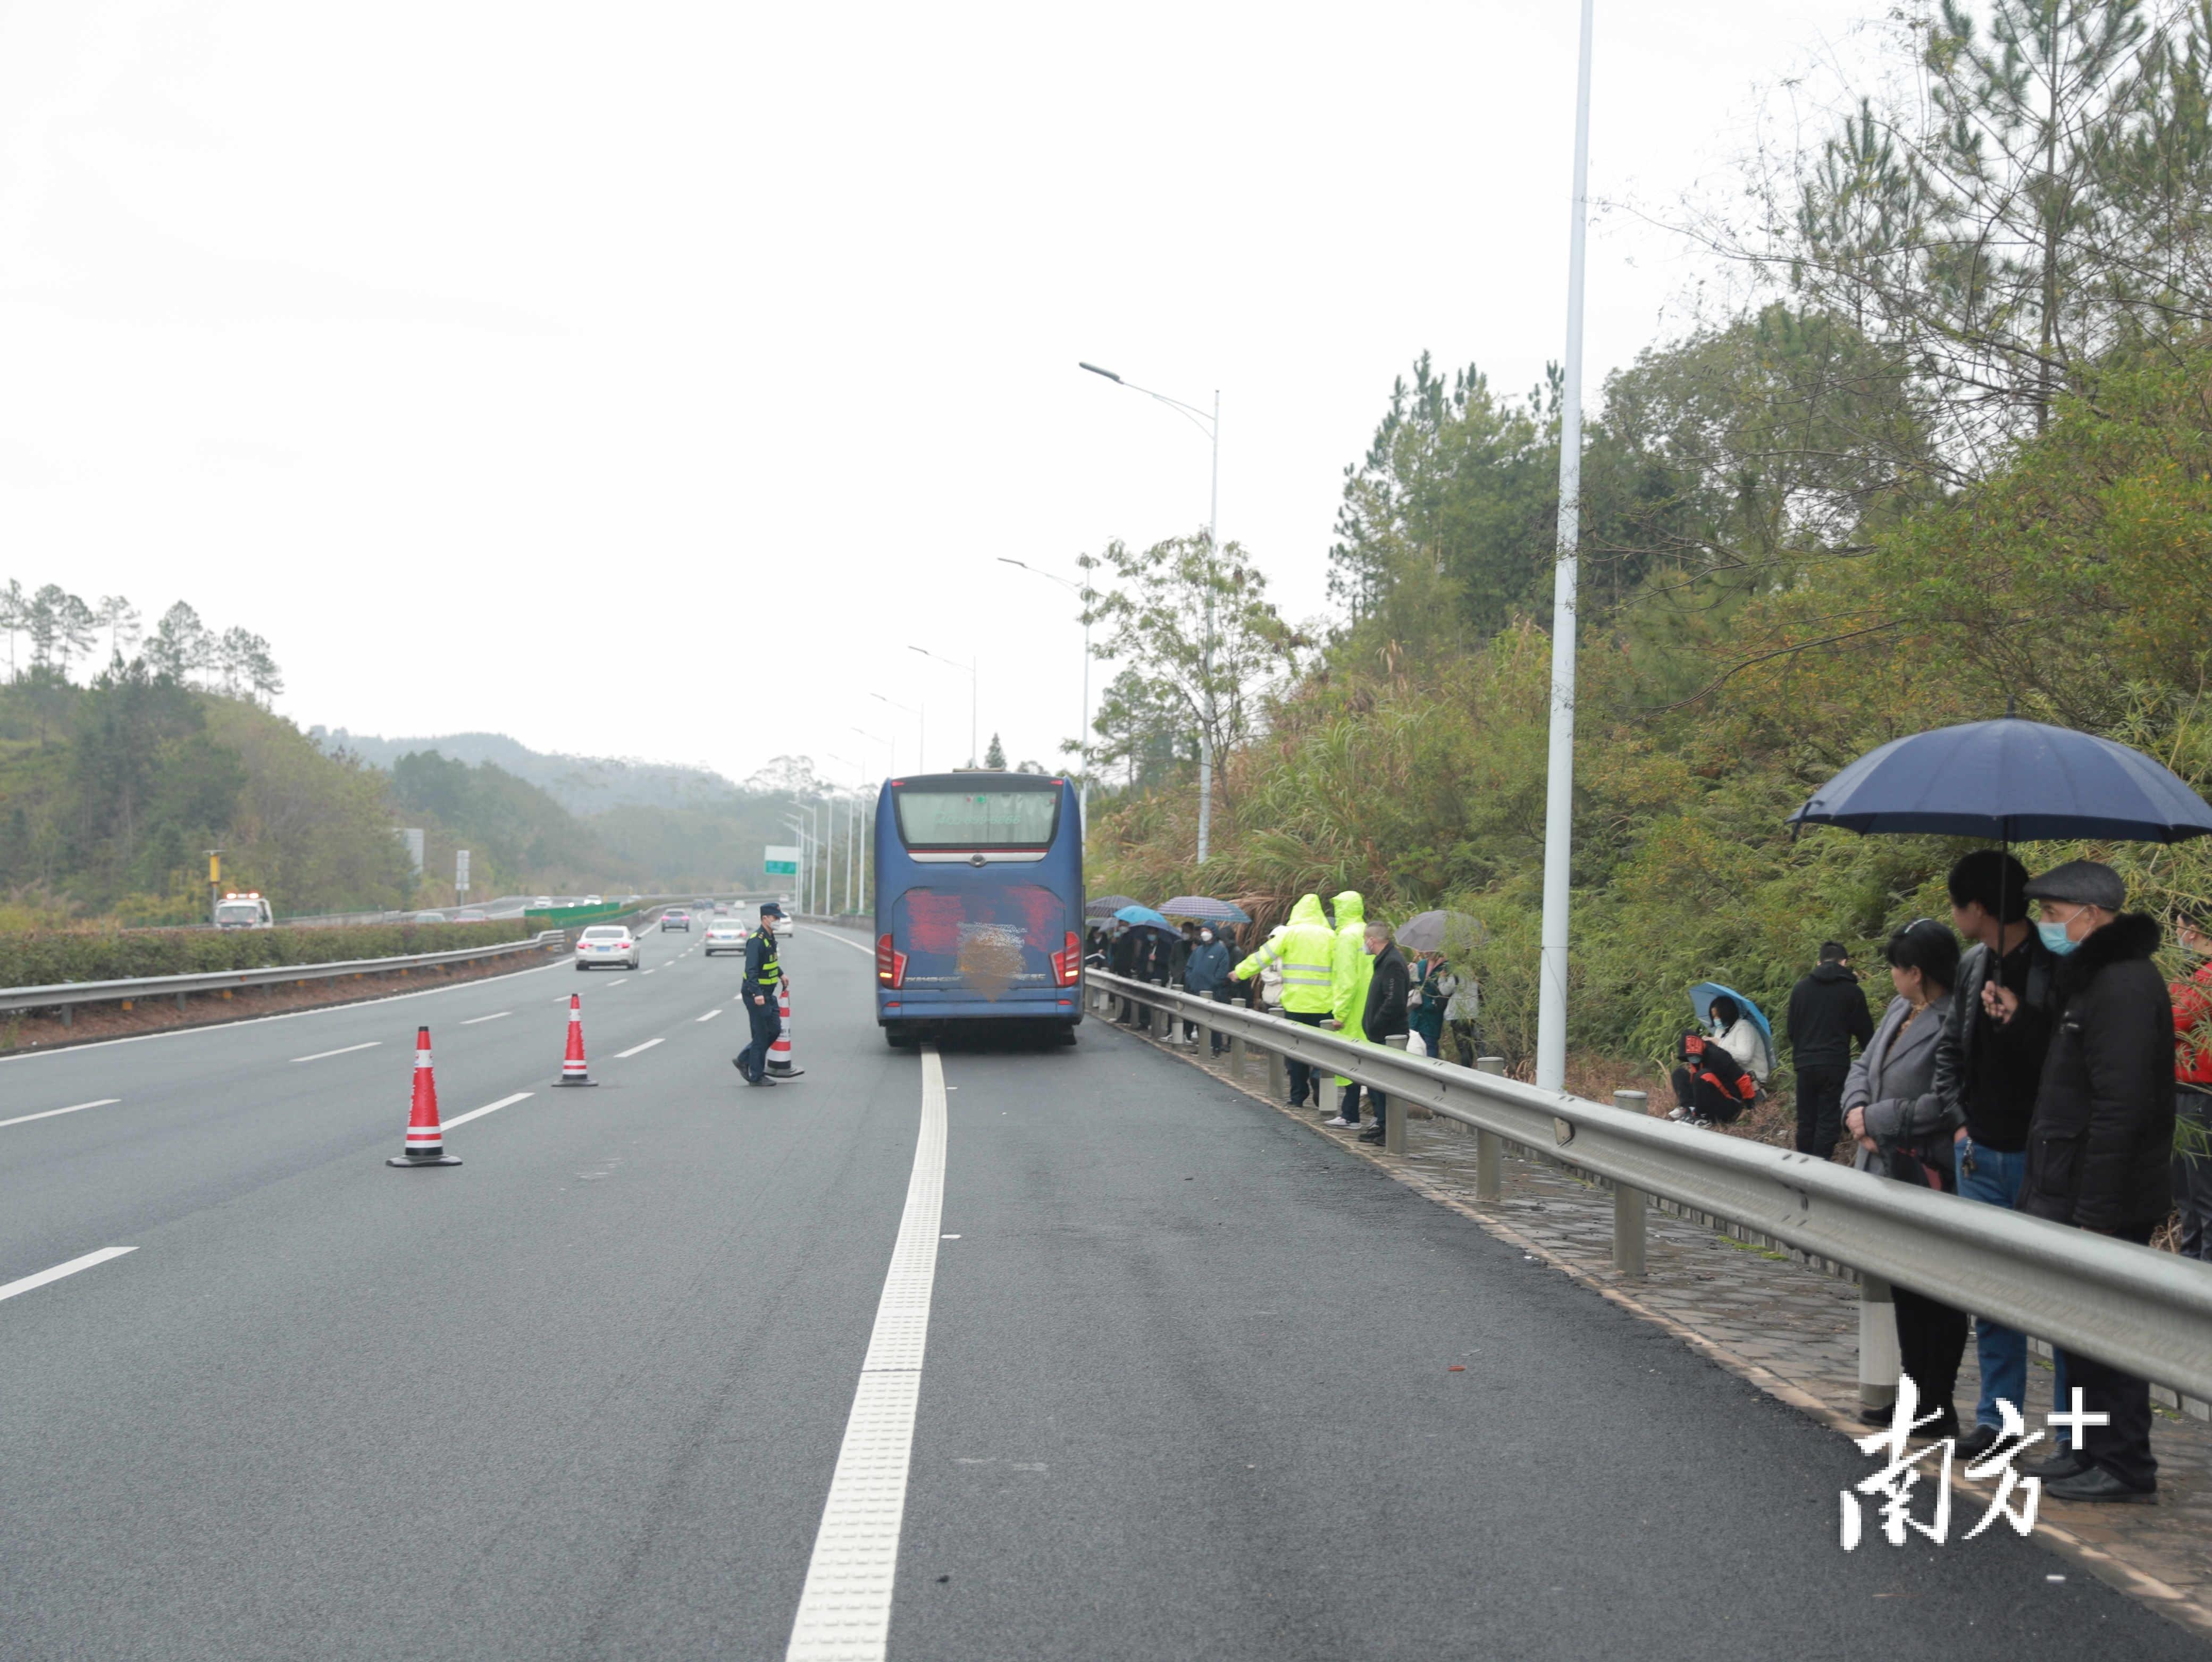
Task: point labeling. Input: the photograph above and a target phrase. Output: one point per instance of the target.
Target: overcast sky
(517, 367)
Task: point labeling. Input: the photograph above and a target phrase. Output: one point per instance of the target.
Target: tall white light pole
(868, 816)
(920, 731)
(1559, 782)
(1211, 427)
(798, 826)
(1083, 732)
(974, 755)
(852, 803)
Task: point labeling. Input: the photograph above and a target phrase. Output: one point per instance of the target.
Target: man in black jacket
(1384, 1020)
(2102, 1134)
(1826, 1012)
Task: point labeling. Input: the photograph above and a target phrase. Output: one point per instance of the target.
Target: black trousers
(768, 1022)
(1220, 995)
(1704, 1098)
(1303, 1081)
(2192, 1178)
(2122, 1446)
(1932, 1337)
(1819, 1106)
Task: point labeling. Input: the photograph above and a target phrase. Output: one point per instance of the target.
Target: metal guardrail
(2149, 1312)
(66, 995)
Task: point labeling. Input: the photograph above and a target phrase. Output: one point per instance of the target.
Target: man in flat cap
(2101, 1137)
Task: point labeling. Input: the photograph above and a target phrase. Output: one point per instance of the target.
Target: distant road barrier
(66, 995)
(2149, 1312)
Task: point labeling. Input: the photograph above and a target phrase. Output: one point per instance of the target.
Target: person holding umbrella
(1206, 975)
(2102, 1136)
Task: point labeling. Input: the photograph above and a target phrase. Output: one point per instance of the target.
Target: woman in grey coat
(1905, 1131)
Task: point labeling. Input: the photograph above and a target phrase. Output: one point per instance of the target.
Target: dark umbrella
(1204, 909)
(2015, 781)
(1106, 906)
(1428, 931)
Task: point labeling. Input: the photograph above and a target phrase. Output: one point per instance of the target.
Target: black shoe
(2097, 1484)
(2066, 1463)
(759, 1079)
(1374, 1135)
(1978, 1442)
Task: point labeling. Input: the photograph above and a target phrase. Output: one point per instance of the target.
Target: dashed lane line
(634, 1049)
(711, 1014)
(488, 1107)
(473, 1020)
(845, 1609)
(73, 1107)
(343, 1050)
(60, 1270)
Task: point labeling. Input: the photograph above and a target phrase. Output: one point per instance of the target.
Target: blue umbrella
(1701, 1000)
(1204, 909)
(1144, 915)
(2013, 781)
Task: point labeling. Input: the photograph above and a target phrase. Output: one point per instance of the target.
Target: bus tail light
(1067, 963)
(890, 963)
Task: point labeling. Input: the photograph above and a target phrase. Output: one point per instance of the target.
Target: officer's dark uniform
(763, 976)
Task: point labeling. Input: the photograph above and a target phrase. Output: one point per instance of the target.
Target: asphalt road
(1186, 1391)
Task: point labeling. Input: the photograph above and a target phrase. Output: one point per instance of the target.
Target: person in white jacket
(1739, 1035)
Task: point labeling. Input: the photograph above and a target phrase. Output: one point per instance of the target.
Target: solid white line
(61, 1269)
(859, 947)
(343, 1050)
(845, 1610)
(473, 1020)
(488, 1107)
(73, 1107)
(708, 1016)
(634, 1049)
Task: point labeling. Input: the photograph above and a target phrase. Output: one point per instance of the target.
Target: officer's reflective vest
(1304, 951)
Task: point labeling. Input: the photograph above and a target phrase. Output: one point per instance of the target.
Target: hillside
(582, 785)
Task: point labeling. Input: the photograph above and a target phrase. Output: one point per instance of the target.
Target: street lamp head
(1004, 561)
(1095, 370)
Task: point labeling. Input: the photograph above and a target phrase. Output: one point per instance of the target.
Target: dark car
(676, 920)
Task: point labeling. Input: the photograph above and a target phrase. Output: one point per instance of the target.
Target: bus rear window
(976, 819)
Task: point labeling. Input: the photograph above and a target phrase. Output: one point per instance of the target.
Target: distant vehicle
(675, 919)
(606, 943)
(590, 900)
(544, 902)
(427, 917)
(721, 908)
(472, 914)
(979, 902)
(723, 937)
(247, 911)
(631, 900)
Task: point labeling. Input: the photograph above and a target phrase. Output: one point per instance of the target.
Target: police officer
(764, 980)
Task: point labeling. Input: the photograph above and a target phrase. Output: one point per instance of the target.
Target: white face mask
(1205, 937)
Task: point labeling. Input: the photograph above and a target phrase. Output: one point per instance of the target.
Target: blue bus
(979, 902)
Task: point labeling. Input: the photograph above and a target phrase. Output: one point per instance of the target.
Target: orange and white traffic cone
(779, 1053)
(426, 1139)
(572, 1071)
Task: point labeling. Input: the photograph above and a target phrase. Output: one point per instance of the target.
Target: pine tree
(995, 757)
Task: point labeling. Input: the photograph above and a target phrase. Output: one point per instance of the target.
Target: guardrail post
(1393, 1107)
(1278, 1077)
(1236, 1055)
(1629, 1203)
(1489, 1147)
(1878, 1359)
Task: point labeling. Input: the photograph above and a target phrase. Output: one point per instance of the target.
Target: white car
(724, 935)
(606, 943)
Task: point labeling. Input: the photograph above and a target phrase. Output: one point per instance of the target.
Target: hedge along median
(50, 957)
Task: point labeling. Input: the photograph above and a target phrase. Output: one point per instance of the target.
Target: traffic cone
(426, 1140)
(572, 1071)
(779, 1053)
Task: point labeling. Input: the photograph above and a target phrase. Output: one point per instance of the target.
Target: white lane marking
(711, 1014)
(845, 1610)
(343, 1050)
(634, 1049)
(488, 1107)
(61, 1269)
(73, 1107)
(473, 1020)
(859, 947)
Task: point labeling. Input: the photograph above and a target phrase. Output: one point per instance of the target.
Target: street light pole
(1082, 732)
(1559, 782)
(920, 731)
(954, 662)
(868, 817)
(1211, 428)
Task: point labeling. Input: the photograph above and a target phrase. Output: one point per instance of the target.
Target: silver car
(606, 943)
(724, 935)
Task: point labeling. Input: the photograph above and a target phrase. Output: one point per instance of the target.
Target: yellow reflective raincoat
(1306, 950)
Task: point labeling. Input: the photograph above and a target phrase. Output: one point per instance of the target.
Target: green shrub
(49, 957)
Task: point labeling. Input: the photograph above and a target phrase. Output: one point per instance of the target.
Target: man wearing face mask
(1206, 975)
(2101, 1136)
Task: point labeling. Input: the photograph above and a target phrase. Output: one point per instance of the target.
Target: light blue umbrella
(1143, 914)
(1701, 1001)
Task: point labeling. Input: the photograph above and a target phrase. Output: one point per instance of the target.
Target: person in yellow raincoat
(1350, 970)
(1304, 950)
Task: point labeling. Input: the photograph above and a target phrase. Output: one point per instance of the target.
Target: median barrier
(2147, 1312)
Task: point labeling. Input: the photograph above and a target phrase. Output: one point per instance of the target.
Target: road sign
(460, 868)
(782, 862)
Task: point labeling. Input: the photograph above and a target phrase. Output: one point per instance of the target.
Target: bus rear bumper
(1066, 1009)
